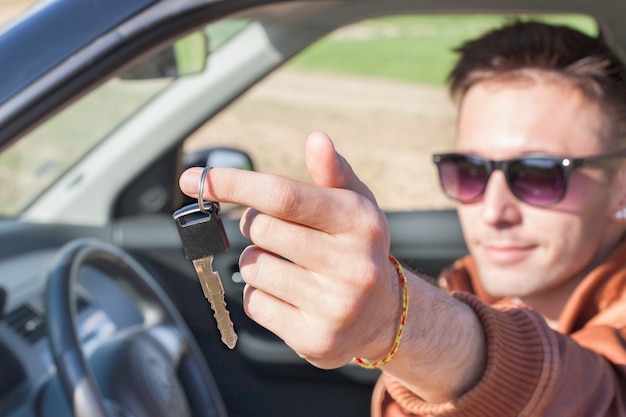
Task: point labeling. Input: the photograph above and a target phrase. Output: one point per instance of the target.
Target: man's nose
(500, 206)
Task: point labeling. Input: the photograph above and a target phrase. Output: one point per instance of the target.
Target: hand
(318, 276)
(318, 273)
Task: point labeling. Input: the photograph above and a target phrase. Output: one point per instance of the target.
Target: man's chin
(501, 282)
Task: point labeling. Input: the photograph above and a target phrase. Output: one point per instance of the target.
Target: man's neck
(550, 303)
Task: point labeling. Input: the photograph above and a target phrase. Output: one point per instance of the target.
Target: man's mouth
(507, 254)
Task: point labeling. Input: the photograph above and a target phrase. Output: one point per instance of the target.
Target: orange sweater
(579, 370)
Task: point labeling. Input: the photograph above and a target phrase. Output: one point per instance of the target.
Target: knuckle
(326, 348)
(371, 222)
(366, 275)
(374, 225)
(285, 199)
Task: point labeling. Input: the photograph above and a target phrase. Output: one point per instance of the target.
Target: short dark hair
(520, 46)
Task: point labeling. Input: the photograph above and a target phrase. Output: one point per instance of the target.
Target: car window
(377, 88)
(40, 158)
(11, 8)
(37, 160)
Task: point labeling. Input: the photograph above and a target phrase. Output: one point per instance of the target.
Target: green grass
(416, 49)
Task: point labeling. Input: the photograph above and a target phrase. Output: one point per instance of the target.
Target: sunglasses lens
(537, 181)
(462, 178)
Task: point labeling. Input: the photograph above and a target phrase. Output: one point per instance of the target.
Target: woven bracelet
(405, 307)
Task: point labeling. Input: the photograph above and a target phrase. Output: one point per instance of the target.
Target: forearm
(443, 350)
(515, 340)
(530, 370)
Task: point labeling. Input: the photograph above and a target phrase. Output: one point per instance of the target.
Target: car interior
(101, 314)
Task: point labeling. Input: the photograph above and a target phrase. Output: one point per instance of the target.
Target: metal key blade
(214, 292)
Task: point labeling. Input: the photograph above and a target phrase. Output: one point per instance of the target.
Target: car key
(202, 234)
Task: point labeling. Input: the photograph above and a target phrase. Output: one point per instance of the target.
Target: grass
(424, 43)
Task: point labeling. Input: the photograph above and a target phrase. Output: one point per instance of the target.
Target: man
(533, 321)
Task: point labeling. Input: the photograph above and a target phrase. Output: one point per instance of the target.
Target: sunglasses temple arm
(600, 160)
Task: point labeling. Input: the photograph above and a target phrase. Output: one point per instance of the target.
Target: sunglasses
(539, 180)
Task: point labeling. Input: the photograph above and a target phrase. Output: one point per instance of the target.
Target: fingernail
(189, 181)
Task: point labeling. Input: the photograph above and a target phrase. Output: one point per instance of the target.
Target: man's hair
(522, 49)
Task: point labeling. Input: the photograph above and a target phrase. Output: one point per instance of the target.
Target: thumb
(328, 168)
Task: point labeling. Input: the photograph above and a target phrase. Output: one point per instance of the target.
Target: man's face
(523, 250)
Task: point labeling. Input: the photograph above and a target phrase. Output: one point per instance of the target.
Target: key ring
(215, 207)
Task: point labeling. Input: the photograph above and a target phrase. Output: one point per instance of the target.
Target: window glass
(378, 88)
(42, 156)
(11, 8)
(222, 31)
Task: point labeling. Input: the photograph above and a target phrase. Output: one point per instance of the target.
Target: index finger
(329, 209)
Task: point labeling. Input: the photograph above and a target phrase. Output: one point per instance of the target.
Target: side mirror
(219, 157)
(187, 56)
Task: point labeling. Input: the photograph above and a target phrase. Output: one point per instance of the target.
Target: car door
(252, 97)
(102, 193)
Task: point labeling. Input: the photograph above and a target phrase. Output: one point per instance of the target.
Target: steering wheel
(155, 369)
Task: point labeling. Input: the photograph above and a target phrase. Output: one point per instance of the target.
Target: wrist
(404, 306)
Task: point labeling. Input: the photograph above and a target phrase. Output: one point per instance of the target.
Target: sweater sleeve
(531, 371)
